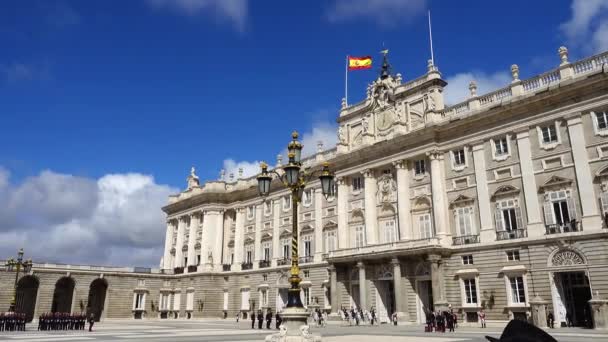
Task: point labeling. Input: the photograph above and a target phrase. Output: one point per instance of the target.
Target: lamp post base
(294, 328)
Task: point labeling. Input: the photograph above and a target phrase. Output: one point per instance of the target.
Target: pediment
(330, 225)
(505, 190)
(602, 172)
(231, 243)
(285, 233)
(461, 199)
(307, 228)
(555, 181)
(266, 236)
(249, 239)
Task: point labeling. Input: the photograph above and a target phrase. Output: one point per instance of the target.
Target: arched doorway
(63, 295)
(97, 298)
(27, 292)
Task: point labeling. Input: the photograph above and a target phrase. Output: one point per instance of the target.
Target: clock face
(384, 120)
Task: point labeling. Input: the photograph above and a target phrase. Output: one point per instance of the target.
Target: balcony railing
(306, 259)
(264, 263)
(386, 247)
(465, 239)
(191, 268)
(283, 262)
(568, 227)
(246, 266)
(178, 270)
(511, 234)
(226, 267)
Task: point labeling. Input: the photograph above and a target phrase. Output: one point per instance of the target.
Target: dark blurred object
(520, 331)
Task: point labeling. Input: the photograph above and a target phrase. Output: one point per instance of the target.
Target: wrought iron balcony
(226, 267)
(178, 270)
(191, 268)
(264, 263)
(567, 227)
(465, 239)
(284, 261)
(246, 266)
(511, 234)
(306, 259)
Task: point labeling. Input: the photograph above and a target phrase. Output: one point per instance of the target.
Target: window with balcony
(463, 217)
(307, 197)
(266, 250)
(559, 212)
(308, 246)
(359, 236)
(286, 243)
(604, 207)
(509, 222)
(419, 167)
(357, 184)
(425, 227)
(330, 238)
(388, 231)
(229, 256)
(249, 253)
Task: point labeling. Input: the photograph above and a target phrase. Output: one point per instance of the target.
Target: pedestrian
(568, 319)
(260, 319)
(252, 319)
(277, 320)
(450, 321)
(237, 317)
(91, 321)
(550, 320)
(268, 318)
(482, 318)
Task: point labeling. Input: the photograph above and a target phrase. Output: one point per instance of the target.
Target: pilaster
(239, 238)
(403, 200)
(276, 230)
(486, 231)
(371, 220)
(400, 296)
(590, 218)
(318, 256)
(439, 200)
(179, 253)
(167, 262)
(438, 282)
(257, 244)
(333, 276)
(342, 212)
(362, 285)
(194, 221)
(535, 226)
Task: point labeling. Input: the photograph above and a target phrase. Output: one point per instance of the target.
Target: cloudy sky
(106, 105)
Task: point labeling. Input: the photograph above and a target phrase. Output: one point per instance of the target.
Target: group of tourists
(319, 317)
(359, 316)
(64, 321)
(260, 317)
(439, 321)
(12, 321)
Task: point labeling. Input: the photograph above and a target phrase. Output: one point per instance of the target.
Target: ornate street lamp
(12, 264)
(295, 178)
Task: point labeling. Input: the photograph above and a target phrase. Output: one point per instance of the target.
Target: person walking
(91, 321)
(277, 320)
(550, 320)
(268, 318)
(252, 319)
(260, 319)
(482, 318)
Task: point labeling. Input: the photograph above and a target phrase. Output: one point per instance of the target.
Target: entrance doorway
(282, 294)
(424, 299)
(63, 295)
(27, 292)
(571, 299)
(97, 298)
(354, 296)
(385, 300)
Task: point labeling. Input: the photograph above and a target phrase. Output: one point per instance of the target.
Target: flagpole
(346, 82)
(431, 39)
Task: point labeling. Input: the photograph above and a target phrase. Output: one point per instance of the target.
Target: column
(371, 220)
(194, 221)
(218, 239)
(179, 254)
(400, 298)
(362, 285)
(239, 238)
(438, 282)
(276, 230)
(333, 283)
(167, 262)
(403, 200)
(535, 225)
(318, 245)
(486, 231)
(205, 240)
(257, 244)
(586, 195)
(213, 232)
(438, 193)
(342, 212)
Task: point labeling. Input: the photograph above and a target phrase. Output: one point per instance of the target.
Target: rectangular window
(389, 231)
(139, 301)
(331, 211)
(459, 158)
(190, 301)
(286, 248)
(286, 220)
(501, 146)
(266, 251)
(286, 202)
(330, 240)
(198, 259)
(308, 245)
(307, 197)
(267, 225)
(306, 295)
(464, 221)
(264, 298)
(307, 217)
(419, 167)
(359, 236)
(508, 216)
(424, 226)
(518, 293)
(250, 212)
(357, 183)
(164, 301)
(549, 134)
(602, 121)
(513, 255)
(467, 260)
(267, 208)
(470, 291)
(306, 274)
(141, 283)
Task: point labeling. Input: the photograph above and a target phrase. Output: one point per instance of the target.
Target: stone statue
(563, 55)
(430, 103)
(341, 136)
(515, 72)
(365, 124)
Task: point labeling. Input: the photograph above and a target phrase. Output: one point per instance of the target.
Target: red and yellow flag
(357, 63)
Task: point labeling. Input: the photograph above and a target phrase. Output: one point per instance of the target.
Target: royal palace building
(499, 203)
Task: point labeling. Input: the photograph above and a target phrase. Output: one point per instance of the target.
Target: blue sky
(138, 91)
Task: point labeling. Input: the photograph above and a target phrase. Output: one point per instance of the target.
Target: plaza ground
(222, 330)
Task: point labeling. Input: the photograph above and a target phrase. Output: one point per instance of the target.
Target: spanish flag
(357, 63)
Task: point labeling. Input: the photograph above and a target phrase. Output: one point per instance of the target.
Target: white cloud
(114, 220)
(234, 11)
(386, 13)
(232, 167)
(587, 28)
(457, 89)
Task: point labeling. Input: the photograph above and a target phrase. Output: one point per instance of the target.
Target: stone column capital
(331, 268)
(573, 119)
(434, 258)
(435, 154)
(239, 210)
(360, 265)
(400, 164)
(341, 180)
(477, 145)
(395, 262)
(522, 132)
(368, 173)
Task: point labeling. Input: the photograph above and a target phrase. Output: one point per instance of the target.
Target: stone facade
(489, 204)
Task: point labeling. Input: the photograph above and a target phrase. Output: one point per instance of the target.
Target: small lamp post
(295, 178)
(17, 265)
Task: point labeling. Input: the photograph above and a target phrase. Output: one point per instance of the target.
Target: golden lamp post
(12, 264)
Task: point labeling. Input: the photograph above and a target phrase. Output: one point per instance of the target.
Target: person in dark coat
(268, 318)
(91, 321)
(252, 320)
(277, 320)
(260, 319)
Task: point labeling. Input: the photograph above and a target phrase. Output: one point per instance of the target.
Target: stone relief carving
(567, 258)
(387, 189)
(341, 135)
